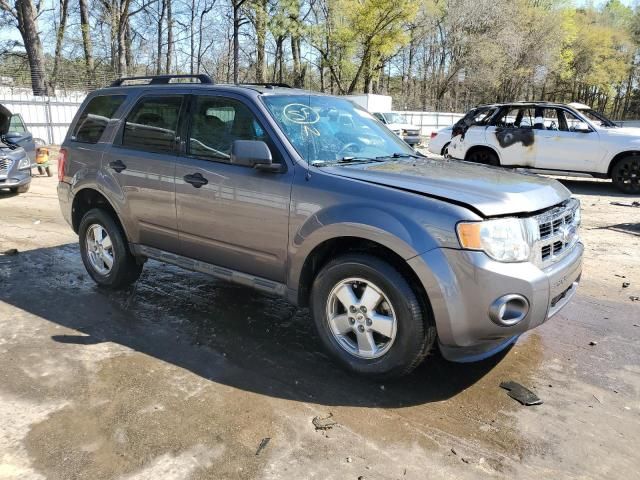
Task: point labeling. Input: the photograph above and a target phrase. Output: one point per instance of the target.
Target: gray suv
(311, 198)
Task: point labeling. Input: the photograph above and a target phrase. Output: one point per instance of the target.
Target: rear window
(152, 124)
(95, 117)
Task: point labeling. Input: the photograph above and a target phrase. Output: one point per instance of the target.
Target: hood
(622, 131)
(491, 191)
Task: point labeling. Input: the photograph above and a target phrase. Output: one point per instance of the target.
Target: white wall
(47, 118)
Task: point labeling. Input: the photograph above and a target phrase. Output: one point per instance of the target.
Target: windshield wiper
(399, 155)
(344, 160)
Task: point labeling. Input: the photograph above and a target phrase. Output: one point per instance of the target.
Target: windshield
(329, 129)
(395, 118)
(597, 118)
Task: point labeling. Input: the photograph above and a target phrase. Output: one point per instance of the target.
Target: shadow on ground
(225, 333)
(594, 187)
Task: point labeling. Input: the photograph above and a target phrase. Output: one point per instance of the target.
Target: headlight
(503, 239)
(25, 163)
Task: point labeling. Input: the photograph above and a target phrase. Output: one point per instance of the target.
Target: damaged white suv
(549, 138)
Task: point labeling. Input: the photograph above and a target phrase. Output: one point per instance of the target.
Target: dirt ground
(184, 377)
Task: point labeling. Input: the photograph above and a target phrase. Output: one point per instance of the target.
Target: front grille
(558, 230)
(5, 165)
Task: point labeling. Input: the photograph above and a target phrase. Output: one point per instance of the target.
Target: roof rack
(266, 84)
(161, 79)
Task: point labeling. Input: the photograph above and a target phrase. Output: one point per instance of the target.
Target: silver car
(308, 197)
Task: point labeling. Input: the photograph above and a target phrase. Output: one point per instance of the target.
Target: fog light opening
(509, 310)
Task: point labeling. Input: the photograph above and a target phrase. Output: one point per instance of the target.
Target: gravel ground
(185, 377)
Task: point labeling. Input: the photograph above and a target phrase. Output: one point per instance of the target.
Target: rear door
(142, 162)
(511, 134)
(562, 142)
(234, 216)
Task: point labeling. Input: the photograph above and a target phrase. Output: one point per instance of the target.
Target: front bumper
(15, 179)
(462, 285)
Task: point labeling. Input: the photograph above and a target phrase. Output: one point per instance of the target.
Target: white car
(550, 138)
(439, 141)
(399, 125)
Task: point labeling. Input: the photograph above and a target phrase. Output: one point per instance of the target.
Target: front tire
(369, 318)
(20, 189)
(105, 252)
(626, 174)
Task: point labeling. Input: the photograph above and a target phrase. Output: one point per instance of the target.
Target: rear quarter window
(95, 118)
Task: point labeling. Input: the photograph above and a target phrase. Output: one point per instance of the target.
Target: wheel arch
(620, 156)
(334, 247)
(88, 198)
(477, 148)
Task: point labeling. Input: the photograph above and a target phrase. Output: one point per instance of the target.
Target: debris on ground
(592, 343)
(324, 423)
(10, 252)
(596, 398)
(625, 284)
(349, 460)
(621, 204)
(619, 276)
(634, 298)
(453, 450)
(263, 445)
(520, 393)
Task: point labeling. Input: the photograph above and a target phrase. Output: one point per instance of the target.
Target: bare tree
(64, 4)
(25, 15)
(86, 42)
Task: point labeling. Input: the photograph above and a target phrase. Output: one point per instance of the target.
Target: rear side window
(152, 124)
(95, 117)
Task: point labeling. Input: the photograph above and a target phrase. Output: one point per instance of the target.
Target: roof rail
(266, 84)
(161, 79)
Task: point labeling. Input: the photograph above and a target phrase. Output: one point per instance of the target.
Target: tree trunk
(163, 9)
(170, 45)
(86, 43)
(236, 40)
(261, 35)
(59, 38)
(28, 26)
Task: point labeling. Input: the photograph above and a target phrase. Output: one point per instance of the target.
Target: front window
(597, 118)
(328, 129)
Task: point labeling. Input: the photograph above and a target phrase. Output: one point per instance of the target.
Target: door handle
(117, 165)
(196, 179)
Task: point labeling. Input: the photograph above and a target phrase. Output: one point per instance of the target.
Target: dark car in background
(13, 131)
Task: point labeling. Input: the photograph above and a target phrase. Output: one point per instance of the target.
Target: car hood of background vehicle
(492, 191)
(402, 126)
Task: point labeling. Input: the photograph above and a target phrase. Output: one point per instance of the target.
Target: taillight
(434, 134)
(62, 160)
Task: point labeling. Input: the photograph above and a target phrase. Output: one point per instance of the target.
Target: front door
(230, 215)
(566, 142)
(143, 161)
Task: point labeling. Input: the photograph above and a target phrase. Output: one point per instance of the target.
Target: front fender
(394, 231)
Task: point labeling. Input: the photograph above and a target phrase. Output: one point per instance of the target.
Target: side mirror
(254, 154)
(582, 127)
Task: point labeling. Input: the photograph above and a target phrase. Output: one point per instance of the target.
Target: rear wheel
(104, 251)
(445, 151)
(483, 156)
(626, 174)
(369, 318)
(48, 170)
(40, 171)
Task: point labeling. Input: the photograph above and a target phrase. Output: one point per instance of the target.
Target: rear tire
(48, 170)
(445, 151)
(406, 340)
(40, 170)
(626, 174)
(105, 252)
(484, 156)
